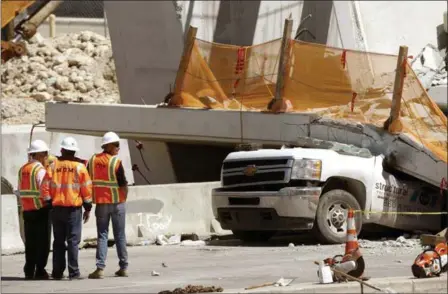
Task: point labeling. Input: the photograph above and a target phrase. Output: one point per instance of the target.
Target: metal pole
(398, 89)
(283, 58)
(52, 25)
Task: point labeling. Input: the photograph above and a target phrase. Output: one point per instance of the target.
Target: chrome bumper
(289, 208)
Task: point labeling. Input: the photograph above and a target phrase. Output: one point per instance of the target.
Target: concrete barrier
(11, 240)
(398, 284)
(151, 211)
(169, 209)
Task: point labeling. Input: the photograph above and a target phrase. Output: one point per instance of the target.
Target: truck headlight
(306, 169)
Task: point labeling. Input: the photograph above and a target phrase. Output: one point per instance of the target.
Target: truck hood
(288, 152)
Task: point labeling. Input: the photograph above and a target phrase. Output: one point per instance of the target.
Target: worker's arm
(45, 189)
(86, 188)
(121, 179)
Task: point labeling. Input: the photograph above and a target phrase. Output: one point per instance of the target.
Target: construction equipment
(13, 46)
(431, 262)
(362, 282)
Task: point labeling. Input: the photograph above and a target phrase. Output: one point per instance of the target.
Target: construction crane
(13, 34)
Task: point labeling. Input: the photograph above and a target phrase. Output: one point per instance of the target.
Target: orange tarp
(332, 82)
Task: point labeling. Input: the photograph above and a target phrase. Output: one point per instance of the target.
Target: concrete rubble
(72, 67)
(399, 242)
(431, 69)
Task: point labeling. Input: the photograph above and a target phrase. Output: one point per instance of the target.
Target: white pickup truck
(290, 189)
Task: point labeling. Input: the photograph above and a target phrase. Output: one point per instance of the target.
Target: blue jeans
(103, 214)
(67, 226)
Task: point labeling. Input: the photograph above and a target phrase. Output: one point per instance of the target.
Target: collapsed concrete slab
(233, 127)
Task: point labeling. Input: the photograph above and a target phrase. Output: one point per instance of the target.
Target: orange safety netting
(332, 82)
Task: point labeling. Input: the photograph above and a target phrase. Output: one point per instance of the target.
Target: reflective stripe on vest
(32, 192)
(111, 183)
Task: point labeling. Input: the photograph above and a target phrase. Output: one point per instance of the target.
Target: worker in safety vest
(35, 212)
(52, 158)
(68, 188)
(109, 194)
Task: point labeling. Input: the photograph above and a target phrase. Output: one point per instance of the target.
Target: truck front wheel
(253, 236)
(330, 225)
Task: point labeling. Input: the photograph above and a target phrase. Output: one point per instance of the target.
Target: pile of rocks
(73, 67)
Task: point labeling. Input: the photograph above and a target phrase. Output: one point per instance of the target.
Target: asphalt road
(228, 264)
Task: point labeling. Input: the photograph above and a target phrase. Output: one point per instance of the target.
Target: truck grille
(268, 171)
(259, 163)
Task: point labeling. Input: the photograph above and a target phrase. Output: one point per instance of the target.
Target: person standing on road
(110, 192)
(67, 187)
(36, 214)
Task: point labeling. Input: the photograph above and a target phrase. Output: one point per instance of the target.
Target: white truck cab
(270, 190)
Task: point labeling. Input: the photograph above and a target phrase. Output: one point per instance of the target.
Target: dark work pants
(37, 241)
(67, 225)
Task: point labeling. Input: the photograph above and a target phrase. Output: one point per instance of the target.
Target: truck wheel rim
(337, 218)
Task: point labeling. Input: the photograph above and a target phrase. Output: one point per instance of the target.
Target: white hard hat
(110, 137)
(69, 143)
(38, 146)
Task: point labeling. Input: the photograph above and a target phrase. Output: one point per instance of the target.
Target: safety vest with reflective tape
(67, 183)
(29, 187)
(103, 169)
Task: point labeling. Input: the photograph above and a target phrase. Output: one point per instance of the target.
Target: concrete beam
(232, 127)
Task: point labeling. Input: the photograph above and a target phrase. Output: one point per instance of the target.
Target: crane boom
(26, 29)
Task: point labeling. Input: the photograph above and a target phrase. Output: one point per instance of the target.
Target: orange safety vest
(29, 187)
(67, 184)
(103, 169)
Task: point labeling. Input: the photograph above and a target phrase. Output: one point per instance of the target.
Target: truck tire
(253, 236)
(330, 225)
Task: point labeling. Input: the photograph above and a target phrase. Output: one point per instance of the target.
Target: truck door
(398, 198)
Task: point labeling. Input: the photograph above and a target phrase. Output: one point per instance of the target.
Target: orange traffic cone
(352, 251)
(351, 245)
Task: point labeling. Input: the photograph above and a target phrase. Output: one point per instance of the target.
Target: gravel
(73, 67)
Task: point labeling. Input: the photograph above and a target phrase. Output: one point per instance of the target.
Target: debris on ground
(155, 274)
(164, 265)
(68, 68)
(282, 282)
(192, 237)
(192, 243)
(193, 289)
(164, 240)
(291, 245)
(399, 242)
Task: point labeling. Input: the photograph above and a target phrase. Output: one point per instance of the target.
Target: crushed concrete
(400, 242)
(430, 67)
(69, 68)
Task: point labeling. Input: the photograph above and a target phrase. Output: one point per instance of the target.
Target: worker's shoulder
(107, 156)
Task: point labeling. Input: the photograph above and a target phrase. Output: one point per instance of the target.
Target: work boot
(121, 273)
(97, 274)
(75, 277)
(41, 275)
(57, 277)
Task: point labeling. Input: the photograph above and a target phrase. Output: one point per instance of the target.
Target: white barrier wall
(11, 240)
(15, 141)
(151, 211)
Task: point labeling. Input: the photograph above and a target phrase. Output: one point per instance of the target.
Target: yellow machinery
(13, 33)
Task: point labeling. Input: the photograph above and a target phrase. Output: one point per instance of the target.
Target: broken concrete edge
(398, 284)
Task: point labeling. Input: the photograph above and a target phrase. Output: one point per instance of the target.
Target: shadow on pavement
(300, 238)
(13, 278)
